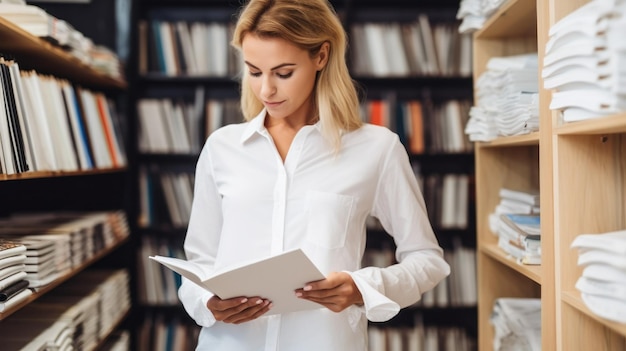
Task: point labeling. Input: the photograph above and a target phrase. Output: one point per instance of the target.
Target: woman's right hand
(239, 309)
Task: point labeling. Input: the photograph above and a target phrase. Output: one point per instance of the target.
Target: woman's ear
(322, 56)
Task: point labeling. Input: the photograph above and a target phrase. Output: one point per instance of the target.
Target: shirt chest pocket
(328, 218)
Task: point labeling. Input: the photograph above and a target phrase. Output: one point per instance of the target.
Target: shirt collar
(257, 126)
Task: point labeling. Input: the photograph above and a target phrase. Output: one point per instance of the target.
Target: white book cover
(60, 124)
(274, 278)
(99, 145)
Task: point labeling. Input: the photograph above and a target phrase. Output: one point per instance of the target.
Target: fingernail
(298, 294)
(259, 302)
(244, 300)
(307, 288)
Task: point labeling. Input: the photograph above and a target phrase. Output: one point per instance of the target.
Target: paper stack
(585, 61)
(507, 101)
(603, 280)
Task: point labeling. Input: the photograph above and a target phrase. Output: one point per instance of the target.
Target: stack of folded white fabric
(603, 281)
(517, 324)
(507, 98)
(585, 61)
(474, 13)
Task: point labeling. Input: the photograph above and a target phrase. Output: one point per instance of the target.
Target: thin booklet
(274, 278)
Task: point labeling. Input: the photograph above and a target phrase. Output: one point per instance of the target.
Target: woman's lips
(272, 104)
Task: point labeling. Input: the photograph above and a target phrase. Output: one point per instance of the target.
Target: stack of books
(13, 283)
(585, 61)
(603, 281)
(516, 221)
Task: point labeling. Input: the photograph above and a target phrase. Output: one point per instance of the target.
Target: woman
(304, 172)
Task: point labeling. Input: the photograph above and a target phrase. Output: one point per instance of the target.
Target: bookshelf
(46, 191)
(579, 168)
(149, 80)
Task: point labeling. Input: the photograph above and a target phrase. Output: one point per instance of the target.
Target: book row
(423, 126)
(183, 48)
(418, 48)
(420, 338)
(78, 315)
(48, 124)
(179, 127)
(165, 197)
(458, 289)
(168, 126)
(159, 332)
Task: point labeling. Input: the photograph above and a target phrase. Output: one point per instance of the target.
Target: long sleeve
(400, 207)
(202, 240)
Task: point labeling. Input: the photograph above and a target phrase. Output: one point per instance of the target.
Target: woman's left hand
(337, 292)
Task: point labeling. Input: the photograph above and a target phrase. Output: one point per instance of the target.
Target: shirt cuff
(378, 307)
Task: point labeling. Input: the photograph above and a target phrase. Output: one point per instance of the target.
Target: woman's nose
(267, 88)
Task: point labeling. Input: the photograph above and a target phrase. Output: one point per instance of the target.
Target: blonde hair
(307, 24)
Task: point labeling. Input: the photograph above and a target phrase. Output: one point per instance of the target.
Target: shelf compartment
(53, 174)
(530, 271)
(515, 18)
(604, 125)
(62, 279)
(32, 52)
(585, 330)
(515, 140)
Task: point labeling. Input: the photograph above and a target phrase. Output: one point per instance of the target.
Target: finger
(249, 313)
(217, 304)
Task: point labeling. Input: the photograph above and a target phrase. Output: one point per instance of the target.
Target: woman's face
(282, 76)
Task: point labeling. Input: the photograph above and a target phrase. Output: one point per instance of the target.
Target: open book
(274, 278)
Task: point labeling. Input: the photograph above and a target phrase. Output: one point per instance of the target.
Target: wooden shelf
(60, 280)
(604, 125)
(573, 299)
(516, 18)
(53, 174)
(495, 252)
(32, 52)
(516, 140)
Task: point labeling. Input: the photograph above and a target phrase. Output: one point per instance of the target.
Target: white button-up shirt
(248, 204)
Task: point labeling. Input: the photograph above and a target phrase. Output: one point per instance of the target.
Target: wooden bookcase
(580, 170)
(97, 189)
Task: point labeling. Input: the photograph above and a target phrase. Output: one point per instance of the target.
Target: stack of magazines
(603, 281)
(13, 283)
(585, 61)
(517, 223)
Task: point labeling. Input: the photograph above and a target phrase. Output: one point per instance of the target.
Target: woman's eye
(255, 74)
(284, 76)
